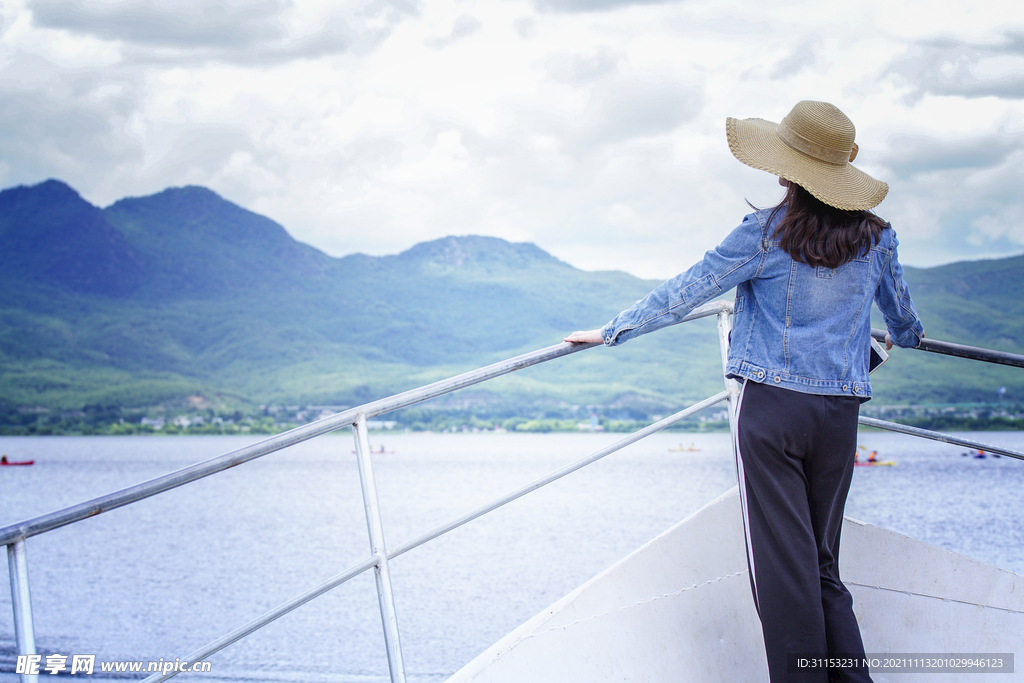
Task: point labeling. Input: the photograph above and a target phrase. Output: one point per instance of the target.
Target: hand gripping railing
(14, 536)
(961, 351)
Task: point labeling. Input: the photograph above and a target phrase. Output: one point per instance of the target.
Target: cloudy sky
(593, 128)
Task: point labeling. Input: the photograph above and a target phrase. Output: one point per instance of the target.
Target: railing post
(375, 527)
(24, 632)
(733, 387)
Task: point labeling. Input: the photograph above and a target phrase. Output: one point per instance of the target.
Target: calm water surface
(166, 576)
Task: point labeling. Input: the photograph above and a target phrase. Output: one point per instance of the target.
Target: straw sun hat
(812, 147)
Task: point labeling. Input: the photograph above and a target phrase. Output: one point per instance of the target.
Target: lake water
(164, 577)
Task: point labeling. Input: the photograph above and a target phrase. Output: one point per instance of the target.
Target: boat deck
(679, 609)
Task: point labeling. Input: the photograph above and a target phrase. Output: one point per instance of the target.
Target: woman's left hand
(588, 337)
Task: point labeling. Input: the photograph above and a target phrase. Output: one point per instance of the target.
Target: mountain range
(183, 296)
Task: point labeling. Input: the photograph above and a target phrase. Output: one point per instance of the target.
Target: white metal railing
(14, 536)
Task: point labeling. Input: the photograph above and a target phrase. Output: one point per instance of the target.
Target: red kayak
(19, 462)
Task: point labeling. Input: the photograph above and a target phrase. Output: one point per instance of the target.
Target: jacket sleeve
(735, 260)
(893, 299)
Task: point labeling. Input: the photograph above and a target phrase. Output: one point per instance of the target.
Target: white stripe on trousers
(743, 496)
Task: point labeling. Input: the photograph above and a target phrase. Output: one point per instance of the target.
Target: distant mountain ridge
(475, 251)
(182, 293)
(50, 235)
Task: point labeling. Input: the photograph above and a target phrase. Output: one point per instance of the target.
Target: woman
(805, 272)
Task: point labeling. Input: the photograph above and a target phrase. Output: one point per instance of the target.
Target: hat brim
(756, 143)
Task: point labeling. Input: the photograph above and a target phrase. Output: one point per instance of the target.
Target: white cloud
(803, 55)
(946, 66)
(594, 129)
(575, 6)
(463, 27)
(182, 23)
(250, 32)
(911, 155)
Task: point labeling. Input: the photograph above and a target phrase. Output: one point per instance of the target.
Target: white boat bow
(679, 609)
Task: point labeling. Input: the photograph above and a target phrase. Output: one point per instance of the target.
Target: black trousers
(796, 463)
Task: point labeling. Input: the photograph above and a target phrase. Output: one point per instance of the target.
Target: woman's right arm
(893, 300)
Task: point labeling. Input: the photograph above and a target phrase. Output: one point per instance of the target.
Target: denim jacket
(799, 327)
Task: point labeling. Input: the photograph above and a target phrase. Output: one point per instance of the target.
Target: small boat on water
(683, 449)
(872, 459)
(980, 454)
(5, 462)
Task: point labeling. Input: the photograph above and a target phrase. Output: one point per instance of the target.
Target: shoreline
(531, 427)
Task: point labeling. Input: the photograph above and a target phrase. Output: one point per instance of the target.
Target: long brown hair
(817, 234)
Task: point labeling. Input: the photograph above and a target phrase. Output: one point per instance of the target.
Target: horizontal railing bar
(938, 436)
(132, 494)
(962, 351)
(202, 653)
(558, 474)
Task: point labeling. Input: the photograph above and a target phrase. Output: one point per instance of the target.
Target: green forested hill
(181, 294)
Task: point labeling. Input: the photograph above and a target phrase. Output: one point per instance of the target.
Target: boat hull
(679, 609)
